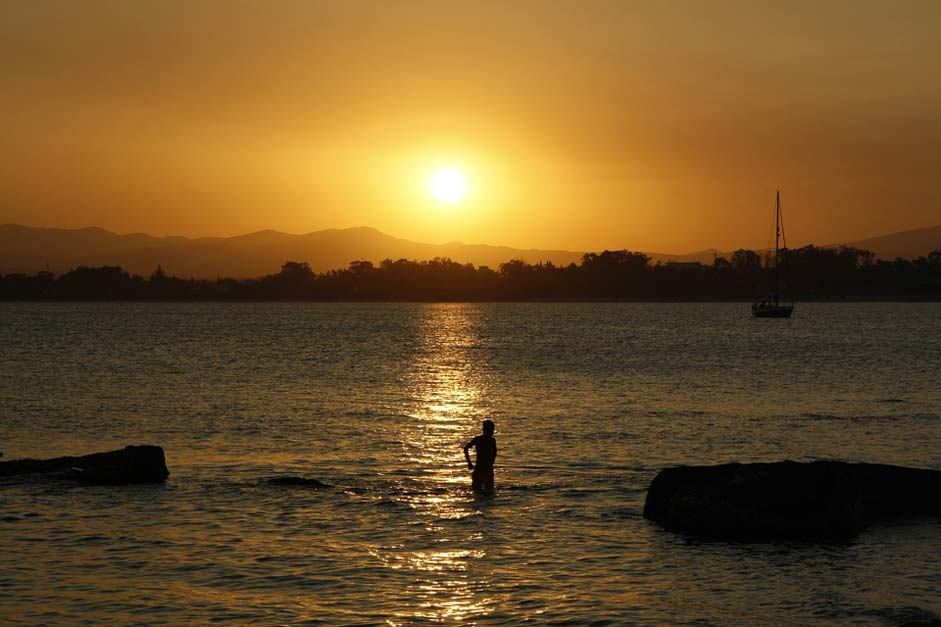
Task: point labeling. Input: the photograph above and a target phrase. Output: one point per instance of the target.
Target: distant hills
(904, 244)
(27, 249)
(30, 249)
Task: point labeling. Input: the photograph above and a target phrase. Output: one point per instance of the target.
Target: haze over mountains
(905, 244)
(30, 249)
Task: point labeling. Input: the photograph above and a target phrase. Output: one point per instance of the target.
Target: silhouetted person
(485, 447)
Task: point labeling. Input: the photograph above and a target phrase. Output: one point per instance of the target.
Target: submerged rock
(908, 617)
(132, 464)
(788, 499)
(300, 482)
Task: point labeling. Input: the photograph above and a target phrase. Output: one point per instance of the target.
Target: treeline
(812, 274)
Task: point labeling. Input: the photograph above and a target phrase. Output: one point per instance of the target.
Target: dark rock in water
(132, 464)
(908, 617)
(300, 482)
(826, 499)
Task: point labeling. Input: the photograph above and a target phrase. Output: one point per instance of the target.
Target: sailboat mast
(777, 224)
(777, 252)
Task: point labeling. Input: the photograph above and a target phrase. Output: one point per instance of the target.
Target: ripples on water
(376, 400)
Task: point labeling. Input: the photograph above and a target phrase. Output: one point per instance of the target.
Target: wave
(871, 418)
(301, 482)
(623, 512)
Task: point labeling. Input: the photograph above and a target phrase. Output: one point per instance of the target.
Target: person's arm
(467, 455)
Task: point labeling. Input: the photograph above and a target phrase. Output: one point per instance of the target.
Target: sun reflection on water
(447, 386)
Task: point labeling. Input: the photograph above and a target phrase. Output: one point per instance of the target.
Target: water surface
(590, 400)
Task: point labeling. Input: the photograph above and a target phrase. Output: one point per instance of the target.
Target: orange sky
(657, 126)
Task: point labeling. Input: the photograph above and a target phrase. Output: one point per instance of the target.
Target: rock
(300, 482)
(826, 499)
(132, 464)
(908, 617)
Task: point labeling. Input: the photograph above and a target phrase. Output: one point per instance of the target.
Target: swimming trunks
(482, 478)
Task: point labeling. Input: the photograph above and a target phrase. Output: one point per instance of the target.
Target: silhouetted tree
(609, 275)
(746, 261)
(104, 283)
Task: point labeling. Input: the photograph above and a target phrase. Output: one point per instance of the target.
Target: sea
(376, 401)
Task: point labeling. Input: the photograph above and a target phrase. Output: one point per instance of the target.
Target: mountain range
(30, 249)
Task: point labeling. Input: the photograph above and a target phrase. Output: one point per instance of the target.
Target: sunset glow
(241, 125)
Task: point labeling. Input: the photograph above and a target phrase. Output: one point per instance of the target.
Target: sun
(447, 185)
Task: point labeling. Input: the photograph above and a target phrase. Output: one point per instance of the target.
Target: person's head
(488, 427)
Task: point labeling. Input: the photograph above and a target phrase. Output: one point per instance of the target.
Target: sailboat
(774, 306)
